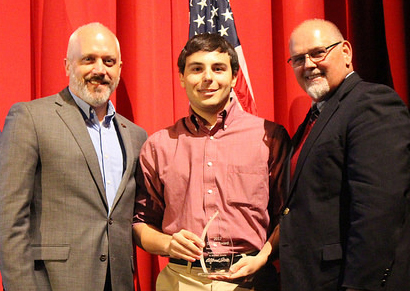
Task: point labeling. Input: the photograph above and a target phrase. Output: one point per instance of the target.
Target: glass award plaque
(217, 256)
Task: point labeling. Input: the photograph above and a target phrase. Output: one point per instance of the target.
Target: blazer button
(103, 258)
(110, 221)
(286, 211)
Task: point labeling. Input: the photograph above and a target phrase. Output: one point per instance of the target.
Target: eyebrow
(309, 50)
(202, 64)
(97, 55)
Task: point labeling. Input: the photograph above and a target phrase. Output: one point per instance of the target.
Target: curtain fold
(397, 25)
(34, 36)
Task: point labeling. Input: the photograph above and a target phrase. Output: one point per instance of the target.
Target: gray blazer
(55, 233)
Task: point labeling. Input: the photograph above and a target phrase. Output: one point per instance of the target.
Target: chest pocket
(248, 186)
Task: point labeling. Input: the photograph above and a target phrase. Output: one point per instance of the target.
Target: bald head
(317, 26)
(321, 58)
(94, 29)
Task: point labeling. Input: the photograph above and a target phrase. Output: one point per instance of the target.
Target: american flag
(215, 16)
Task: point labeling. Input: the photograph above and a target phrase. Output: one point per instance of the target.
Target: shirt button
(209, 164)
(103, 258)
(211, 137)
(210, 191)
(225, 126)
(108, 182)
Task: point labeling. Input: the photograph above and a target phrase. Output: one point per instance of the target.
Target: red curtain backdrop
(34, 35)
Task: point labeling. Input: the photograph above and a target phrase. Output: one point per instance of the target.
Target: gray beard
(94, 99)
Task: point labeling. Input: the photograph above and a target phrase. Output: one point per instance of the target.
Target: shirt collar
(89, 113)
(196, 123)
(320, 105)
(349, 74)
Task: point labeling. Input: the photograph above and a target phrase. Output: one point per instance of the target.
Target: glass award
(217, 256)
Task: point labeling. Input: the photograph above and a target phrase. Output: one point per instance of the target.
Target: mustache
(97, 78)
(314, 72)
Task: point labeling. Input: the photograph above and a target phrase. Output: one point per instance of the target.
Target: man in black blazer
(345, 223)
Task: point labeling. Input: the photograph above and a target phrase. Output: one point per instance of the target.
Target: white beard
(318, 91)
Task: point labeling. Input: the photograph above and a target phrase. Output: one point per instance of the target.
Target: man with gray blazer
(67, 184)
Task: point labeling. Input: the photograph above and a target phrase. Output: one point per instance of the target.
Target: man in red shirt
(218, 159)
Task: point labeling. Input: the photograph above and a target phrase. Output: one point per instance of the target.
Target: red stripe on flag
(244, 95)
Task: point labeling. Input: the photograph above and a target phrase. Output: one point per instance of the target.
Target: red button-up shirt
(236, 168)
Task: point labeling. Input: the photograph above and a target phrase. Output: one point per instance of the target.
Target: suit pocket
(332, 252)
(51, 252)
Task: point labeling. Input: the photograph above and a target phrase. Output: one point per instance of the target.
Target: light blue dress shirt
(107, 146)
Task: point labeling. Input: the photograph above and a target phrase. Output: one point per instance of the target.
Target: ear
(182, 80)
(120, 67)
(347, 52)
(234, 79)
(67, 67)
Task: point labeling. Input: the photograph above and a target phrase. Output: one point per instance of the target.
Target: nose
(308, 62)
(207, 76)
(99, 67)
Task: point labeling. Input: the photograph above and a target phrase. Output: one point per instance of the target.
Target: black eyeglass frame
(328, 50)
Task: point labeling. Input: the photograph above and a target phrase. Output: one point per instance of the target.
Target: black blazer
(346, 218)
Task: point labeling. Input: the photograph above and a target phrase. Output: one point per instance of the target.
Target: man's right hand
(185, 245)
(181, 245)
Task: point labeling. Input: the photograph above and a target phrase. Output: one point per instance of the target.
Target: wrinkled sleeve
(149, 202)
(278, 166)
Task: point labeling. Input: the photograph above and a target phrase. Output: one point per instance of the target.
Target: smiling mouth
(313, 76)
(207, 90)
(97, 81)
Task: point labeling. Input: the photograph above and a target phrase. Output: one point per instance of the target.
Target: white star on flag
(202, 4)
(200, 20)
(227, 14)
(223, 31)
(209, 21)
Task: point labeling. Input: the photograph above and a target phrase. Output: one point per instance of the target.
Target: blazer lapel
(330, 108)
(71, 116)
(128, 156)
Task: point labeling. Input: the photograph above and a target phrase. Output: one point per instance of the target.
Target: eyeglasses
(315, 55)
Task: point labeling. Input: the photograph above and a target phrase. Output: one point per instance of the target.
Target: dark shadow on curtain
(406, 13)
(123, 105)
(362, 23)
(368, 38)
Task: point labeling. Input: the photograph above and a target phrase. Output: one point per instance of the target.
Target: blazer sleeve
(18, 163)
(378, 163)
